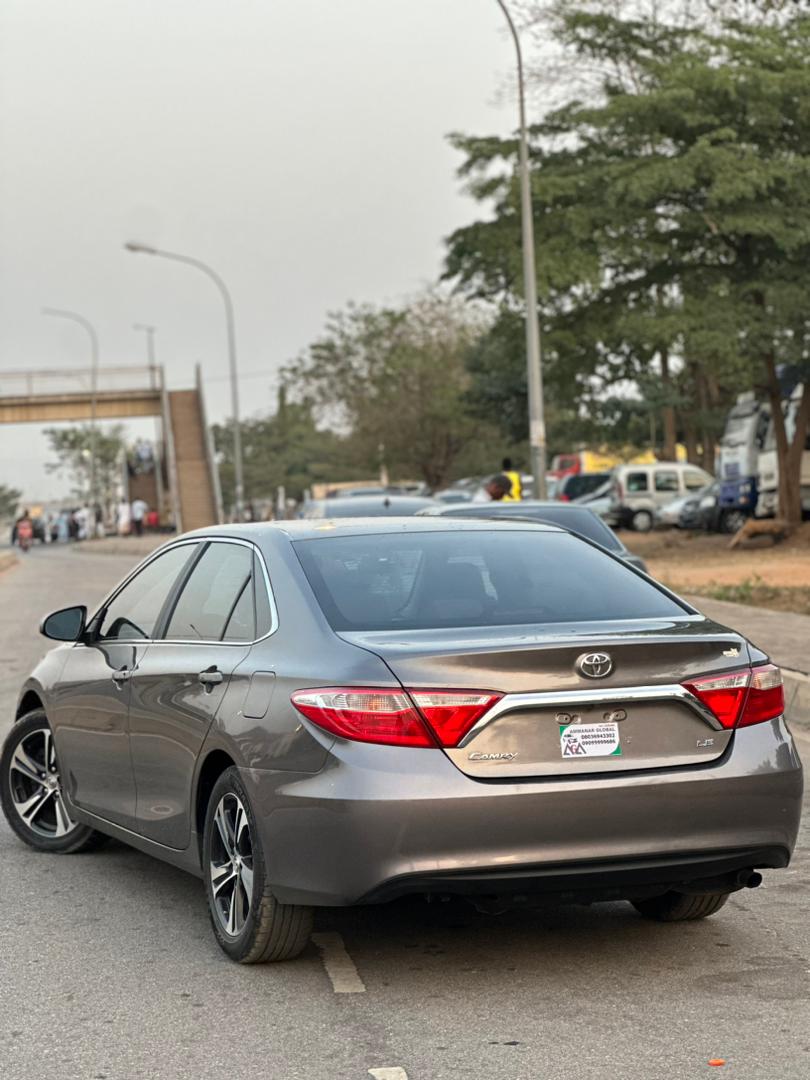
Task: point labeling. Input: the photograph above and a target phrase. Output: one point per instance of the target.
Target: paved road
(108, 969)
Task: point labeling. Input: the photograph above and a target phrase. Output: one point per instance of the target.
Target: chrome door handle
(211, 677)
(121, 676)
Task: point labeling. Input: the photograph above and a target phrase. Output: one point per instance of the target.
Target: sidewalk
(784, 637)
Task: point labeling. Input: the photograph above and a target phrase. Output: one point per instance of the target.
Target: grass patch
(755, 592)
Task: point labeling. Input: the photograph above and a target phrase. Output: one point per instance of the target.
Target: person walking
(138, 512)
(516, 487)
(499, 488)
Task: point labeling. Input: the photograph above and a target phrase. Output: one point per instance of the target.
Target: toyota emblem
(594, 665)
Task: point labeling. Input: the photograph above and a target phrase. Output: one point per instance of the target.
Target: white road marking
(339, 965)
(388, 1074)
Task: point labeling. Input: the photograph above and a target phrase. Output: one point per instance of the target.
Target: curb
(797, 698)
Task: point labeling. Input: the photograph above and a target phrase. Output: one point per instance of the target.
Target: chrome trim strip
(617, 695)
(274, 620)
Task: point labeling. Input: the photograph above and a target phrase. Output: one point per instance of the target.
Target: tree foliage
(9, 501)
(395, 380)
(284, 449)
(73, 447)
(673, 222)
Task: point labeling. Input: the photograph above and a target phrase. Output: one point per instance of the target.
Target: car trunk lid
(553, 720)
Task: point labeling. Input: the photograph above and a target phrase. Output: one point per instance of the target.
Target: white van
(639, 490)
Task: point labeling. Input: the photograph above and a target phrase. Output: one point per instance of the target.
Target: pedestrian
(499, 488)
(123, 518)
(24, 531)
(516, 488)
(138, 513)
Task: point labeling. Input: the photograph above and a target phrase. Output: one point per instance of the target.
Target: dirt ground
(758, 572)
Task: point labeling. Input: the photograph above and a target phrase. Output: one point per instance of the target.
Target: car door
(667, 486)
(180, 685)
(89, 710)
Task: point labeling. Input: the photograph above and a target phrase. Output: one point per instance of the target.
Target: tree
(9, 501)
(673, 221)
(285, 449)
(73, 449)
(394, 380)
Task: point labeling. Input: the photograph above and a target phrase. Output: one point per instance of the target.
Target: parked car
(703, 511)
(453, 495)
(308, 716)
(381, 505)
(575, 518)
(580, 485)
(639, 490)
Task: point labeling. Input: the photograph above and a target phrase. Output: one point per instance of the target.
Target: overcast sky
(297, 145)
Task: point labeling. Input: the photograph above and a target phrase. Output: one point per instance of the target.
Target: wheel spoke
(48, 755)
(23, 763)
(224, 829)
(231, 924)
(221, 876)
(239, 824)
(63, 822)
(247, 881)
(30, 808)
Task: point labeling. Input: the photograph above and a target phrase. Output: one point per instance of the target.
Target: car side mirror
(68, 624)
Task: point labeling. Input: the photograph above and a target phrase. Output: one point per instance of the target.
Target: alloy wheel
(35, 786)
(231, 864)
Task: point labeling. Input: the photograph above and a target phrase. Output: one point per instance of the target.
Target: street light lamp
(537, 424)
(145, 249)
(73, 316)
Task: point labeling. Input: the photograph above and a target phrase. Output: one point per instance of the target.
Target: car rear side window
(217, 600)
(133, 614)
(666, 481)
(472, 578)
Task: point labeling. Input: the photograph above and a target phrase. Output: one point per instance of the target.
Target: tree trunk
(709, 432)
(788, 454)
(688, 424)
(668, 411)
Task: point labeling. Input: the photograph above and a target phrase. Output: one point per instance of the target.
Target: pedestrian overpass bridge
(185, 483)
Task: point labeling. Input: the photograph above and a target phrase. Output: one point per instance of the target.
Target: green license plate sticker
(590, 740)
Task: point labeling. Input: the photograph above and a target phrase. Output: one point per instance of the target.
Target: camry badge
(594, 665)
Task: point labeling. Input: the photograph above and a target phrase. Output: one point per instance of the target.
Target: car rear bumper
(378, 822)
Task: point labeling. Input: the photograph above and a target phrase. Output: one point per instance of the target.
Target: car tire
(249, 923)
(31, 791)
(678, 907)
(731, 521)
(642, 521)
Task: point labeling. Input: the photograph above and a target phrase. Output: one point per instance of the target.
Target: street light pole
(73, 316)
(144, 249)
(154, 384)
(150, 349)
(534, 367)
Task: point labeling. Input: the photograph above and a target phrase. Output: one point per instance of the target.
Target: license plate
(590, 740)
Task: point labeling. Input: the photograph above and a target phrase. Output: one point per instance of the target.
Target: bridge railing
(53, 382)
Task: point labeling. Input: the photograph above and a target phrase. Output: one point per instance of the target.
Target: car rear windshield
(431, 580)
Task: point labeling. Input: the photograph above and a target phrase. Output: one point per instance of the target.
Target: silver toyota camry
(343, 712)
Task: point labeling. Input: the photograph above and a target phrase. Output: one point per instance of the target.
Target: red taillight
(564, 498)
(392, 717)
(766, 696)
(742, 698)
(451, 713)
(365, 715)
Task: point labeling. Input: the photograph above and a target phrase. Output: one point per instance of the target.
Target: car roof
(311, 529)
(386, 497)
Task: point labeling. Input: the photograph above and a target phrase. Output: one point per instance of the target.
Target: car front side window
(133, 613)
